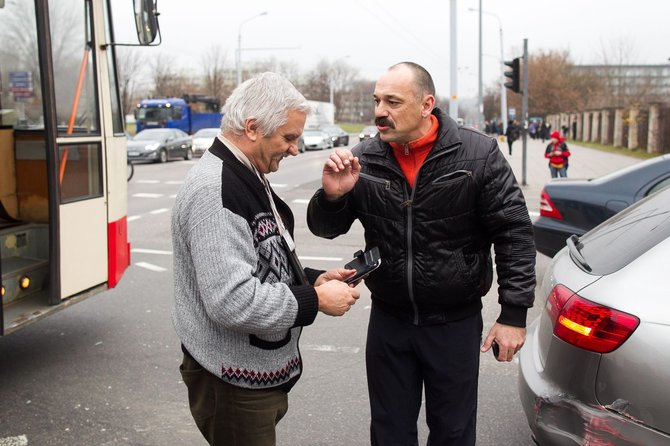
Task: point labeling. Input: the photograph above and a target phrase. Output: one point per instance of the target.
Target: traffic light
(513, 76)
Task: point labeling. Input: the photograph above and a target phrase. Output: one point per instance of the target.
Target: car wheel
(189, 154)
(163, 156)
(346, 140)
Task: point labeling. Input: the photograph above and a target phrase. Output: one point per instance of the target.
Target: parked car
(337, 135)
(368, 132)
(594, 368)
(158, 145)
(203, 139)
(301, 144)
(571, 206)
(317, 140)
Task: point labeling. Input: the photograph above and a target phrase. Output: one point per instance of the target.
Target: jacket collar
(221, 151)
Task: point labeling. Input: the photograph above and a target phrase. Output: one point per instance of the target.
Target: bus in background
(63, 191)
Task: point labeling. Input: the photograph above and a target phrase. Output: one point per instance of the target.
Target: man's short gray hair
(267, 97)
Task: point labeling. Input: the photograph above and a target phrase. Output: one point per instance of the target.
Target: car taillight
(547, 208)
(586, 324)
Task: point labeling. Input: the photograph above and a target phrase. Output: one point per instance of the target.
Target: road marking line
(325, 259)
(151, 251)
(150, 267)
(300, 201)
(278, 185)
(20, 440)
(175, 182)
(533, 214)
(142, 195)
(133, 217)
(160, 211)
(148, 181)
(330, 348)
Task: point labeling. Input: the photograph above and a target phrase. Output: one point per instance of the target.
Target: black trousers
(401, 359)
(228, 415)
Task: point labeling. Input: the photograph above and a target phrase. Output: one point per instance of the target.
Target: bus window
(76, 102)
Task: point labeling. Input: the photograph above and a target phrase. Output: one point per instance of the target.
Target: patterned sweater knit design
(237, 309)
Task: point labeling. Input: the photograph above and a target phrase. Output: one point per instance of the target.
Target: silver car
(595, 369)
(203, 139)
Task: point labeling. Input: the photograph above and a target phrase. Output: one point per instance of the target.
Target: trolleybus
(63, 171)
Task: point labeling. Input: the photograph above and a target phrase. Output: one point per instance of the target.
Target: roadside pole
(524, 111)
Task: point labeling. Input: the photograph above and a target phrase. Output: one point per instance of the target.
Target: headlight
(150, 147)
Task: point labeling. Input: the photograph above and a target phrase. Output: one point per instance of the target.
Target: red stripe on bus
(118, 250)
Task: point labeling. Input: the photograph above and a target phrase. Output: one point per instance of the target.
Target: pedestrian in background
(557, 153)
(433, 197)
(512, 134)
(241, 296)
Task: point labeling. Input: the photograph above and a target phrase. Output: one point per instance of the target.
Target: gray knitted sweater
(237, 309)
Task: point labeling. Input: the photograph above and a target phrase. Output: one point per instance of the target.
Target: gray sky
(373, 34)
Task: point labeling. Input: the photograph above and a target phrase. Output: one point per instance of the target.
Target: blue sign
(21, 85)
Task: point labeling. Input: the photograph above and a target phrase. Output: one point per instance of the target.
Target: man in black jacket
(434, 197)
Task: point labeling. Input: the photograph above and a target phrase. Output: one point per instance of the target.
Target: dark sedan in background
(158, 145)
(571, 206)
(337, 135)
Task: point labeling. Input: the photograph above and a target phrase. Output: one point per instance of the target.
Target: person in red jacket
(557, 153)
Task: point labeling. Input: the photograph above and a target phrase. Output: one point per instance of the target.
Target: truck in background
(323, 114)
(189, 113)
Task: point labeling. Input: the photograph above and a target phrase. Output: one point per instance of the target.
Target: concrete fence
(633, 128)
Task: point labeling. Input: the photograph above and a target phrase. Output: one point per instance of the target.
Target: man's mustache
(384, 122)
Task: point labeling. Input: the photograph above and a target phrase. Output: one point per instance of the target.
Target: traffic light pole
(524, 112)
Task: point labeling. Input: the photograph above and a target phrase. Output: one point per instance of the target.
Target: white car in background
(203, 139)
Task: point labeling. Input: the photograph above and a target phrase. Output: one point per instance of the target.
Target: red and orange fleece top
(411, 156)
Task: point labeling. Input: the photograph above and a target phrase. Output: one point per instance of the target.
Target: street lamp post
(503, 90)
(238, 54)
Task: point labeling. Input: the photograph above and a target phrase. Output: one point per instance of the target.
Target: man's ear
(251, 129)
(427, 105)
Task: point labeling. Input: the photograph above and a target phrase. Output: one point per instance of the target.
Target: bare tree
(214, 80)
(129, 67)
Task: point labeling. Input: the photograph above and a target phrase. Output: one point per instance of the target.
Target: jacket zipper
(386, 183)
(410, 249)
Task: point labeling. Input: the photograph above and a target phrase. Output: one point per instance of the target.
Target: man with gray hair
(241, 295)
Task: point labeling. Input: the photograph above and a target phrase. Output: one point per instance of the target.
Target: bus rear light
(547, 207)
(588, 325)
(24, 282)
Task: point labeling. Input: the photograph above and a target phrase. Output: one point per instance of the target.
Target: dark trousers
(228, 415)
(402, 358)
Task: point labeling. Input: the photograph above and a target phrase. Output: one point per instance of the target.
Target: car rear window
(628, 234)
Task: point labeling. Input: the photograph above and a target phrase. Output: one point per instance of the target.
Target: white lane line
(173, 196)
(534, 214)
(150, 267)
(133, 217)
(143, 195)
(329, 348)
(148, 181)
(175, 182)
(151, 251)
(21, 440)
(325, 259)
(160, 211)
(300, 201)
(278, 185)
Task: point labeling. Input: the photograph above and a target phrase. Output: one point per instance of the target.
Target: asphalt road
(105, 372)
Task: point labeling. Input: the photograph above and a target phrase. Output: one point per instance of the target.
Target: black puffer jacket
(435, 240)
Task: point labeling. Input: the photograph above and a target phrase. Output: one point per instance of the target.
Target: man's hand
(335, 297)
(340, 173)
(334, 274)
(509, 339)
